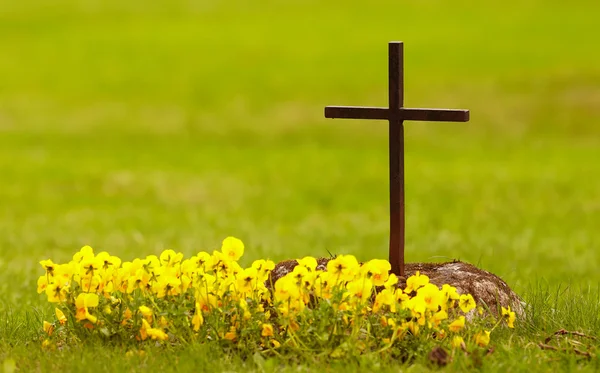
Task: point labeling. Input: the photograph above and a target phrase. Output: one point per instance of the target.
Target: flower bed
(349, 309)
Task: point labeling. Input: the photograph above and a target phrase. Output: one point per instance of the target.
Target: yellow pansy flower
(343, 267)
(483, 338)
(263, 267)
(203, 260)
(85, 252)
(166, 286)
(246, 280)
(198, 319)
(60, 316)
(57, 291)
(48, 266)
(385, 297)
(308, 262)
(48, 328)
(359, 290)
(267, 330)
(82, 303)
(146, 312)
(391, 281)
(233, 248)
(42, 283)
(457, 324)
(509, 316)
(415, 282)
(377, 270)
(230, 335)
(458, 342)
(466, 302)
(170, 258)
(432, 296)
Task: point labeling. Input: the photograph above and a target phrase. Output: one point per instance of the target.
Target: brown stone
(488, 290)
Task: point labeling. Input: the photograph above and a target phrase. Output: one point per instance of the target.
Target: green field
(140, 126)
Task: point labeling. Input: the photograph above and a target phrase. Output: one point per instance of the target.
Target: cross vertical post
(396, 114)
(396, 145)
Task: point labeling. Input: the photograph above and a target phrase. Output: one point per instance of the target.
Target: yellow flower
(391, 281)
(157, 334)
(83, 302)
(457, 324)
(308, 262)
(458, 342)
(343, 267)
(377, 270)
(246, 280)
(198, 319)
(417, 305)
(509, 316)
(323, 283)
(233, 248)
(246, 312)
(186, 283)
(86, 252)
(166, 285)
(275, 343)
(90, 284)
(203, 261)
(48, 266)
(438, 317)
(89, 267)
(291, 307)
(385, 297)
(62, 319)
(230, 335)
(48, 328)
(263, 267)
(432, 296)
(42, 284)
(146, 312)
(57, 291)
(286, 288)
(267, 330)
(412, 326)
(298, 273)
(466, 303)
(148, 331)
(359, 289)
(482, 339)
(401, 296)
(206, 299)
(109, 263)
(415, 281)
(151, 265)
(294, 325)
(139, 280)
(450, 292)
(127, 315)
(170, 258)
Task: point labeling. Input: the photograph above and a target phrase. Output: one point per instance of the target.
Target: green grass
(136, 127)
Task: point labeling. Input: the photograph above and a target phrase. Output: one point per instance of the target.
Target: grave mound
(488, 290)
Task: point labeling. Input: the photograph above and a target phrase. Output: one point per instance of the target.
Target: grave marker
(396, 114)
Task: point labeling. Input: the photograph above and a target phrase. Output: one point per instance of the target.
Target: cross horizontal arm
(363, 112)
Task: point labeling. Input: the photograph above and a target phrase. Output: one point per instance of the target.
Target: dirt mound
(487, 289)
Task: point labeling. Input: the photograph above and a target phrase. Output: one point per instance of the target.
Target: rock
(488, 290)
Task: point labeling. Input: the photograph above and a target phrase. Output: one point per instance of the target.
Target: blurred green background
(143, 125)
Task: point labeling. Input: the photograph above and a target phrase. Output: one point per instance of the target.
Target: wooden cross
(396, 114)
